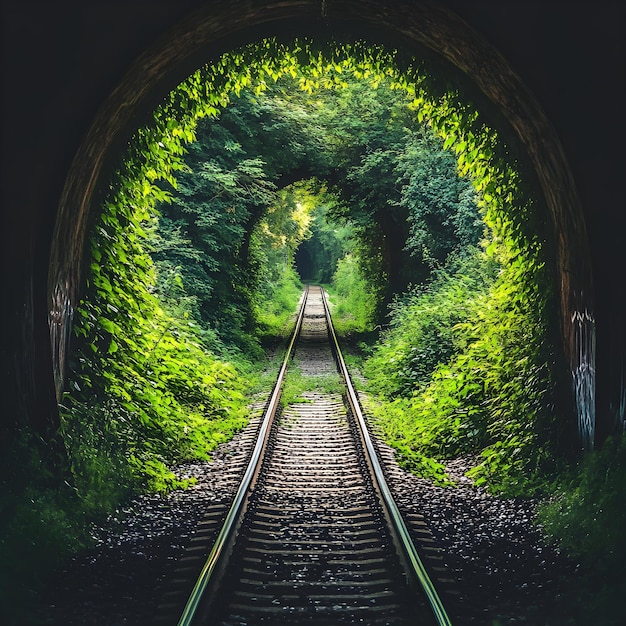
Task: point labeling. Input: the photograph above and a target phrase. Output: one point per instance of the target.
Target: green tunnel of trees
(362, 173)
(431, 200)
(352, 136)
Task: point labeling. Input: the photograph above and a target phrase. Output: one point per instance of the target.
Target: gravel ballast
(503, 571)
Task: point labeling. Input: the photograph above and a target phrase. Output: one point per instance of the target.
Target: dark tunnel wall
(61, 60)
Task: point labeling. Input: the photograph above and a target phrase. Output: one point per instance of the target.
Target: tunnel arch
(411, 26)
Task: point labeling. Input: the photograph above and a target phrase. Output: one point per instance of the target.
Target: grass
(586, 516)
(351, 300)
(275, 313)
(297, 384)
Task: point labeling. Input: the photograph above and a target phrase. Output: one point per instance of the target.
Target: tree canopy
(371, 167)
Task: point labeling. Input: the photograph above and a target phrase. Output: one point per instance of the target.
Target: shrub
(587, 516)
(494, 395)
(423, 331)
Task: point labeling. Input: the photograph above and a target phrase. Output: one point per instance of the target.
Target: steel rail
(406, 542)
(218, 552)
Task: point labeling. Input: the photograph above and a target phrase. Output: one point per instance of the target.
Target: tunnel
(304, 262)
(64, 130)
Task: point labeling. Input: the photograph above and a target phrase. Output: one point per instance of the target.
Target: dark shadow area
(304, 262)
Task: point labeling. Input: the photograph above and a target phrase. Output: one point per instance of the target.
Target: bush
(276, 306)
(41, 522)
(490, 388)
(587, 516)
(423, 331)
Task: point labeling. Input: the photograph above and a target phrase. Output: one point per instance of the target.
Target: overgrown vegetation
(474, 376)
(352, 301)
(585, 517)
(424, 330)
(473, 370)
(586, 514)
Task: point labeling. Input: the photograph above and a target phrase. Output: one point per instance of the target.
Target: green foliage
(441, 206)
(274, 311)
(399, 189)
(469, 364)
(491, 391)
(402, 432)
(140, 369)
(424, 326)
(41, 522)
(203, 233)
(319, 254)
(494, 390)
(39, 534)
(139, 373)
(586, 515)
(351, 299)
(380, 171)
(154, 394)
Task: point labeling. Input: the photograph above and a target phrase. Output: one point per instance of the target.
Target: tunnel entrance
(486, 70)
(417, 29)
(304, 262)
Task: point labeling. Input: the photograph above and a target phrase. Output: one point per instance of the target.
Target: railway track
(313, 535)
